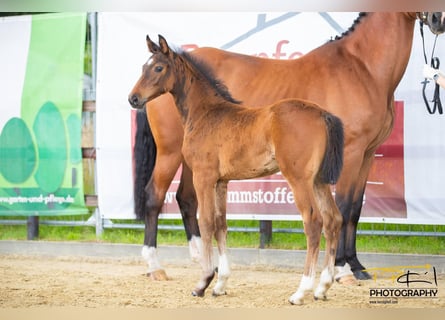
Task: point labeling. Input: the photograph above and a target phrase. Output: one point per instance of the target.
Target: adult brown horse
(353, 77)
(225, 141)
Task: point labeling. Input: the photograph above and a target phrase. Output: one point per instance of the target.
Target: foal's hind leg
(188, 204)
(305, 200)
(332, 221)
(221, 237)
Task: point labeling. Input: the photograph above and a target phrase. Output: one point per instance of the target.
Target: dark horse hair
(206, 71)
(332, 164)
(352, 27)
(144, 161)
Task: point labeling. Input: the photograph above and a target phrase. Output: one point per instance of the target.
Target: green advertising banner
(40, 114)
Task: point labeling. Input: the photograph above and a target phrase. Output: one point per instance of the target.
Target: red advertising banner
(385, 190)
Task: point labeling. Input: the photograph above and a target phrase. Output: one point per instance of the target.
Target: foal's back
(241, 142)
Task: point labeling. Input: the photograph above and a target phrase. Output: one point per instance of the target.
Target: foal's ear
(152, 47)
(164, 46)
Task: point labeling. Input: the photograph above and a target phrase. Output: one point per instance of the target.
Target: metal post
(92, 19)
(265, 233)
(32, 227)
(99, 223)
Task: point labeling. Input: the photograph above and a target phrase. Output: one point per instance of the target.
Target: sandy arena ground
(42, 281)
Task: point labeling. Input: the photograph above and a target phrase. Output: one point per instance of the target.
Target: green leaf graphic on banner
(17, 151)
(40, 153)
(50, 136)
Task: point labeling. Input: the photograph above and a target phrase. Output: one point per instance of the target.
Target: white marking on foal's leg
(149, 254)
(326, 280)
(195, 247)
(208, 272)
(306, 284)
(223, 276)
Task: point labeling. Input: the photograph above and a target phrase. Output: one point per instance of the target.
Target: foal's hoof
(158, 275)
(296, 299)
(296, 302)
(217, 294)
(322, 298)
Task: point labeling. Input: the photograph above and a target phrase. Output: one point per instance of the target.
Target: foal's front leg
(206, 207)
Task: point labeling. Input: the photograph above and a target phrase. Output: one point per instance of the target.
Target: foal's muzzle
(136, 101)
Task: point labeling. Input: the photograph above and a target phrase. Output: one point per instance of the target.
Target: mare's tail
(144, 162)
(332, 164)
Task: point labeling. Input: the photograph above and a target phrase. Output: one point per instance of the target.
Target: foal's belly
(248, 168)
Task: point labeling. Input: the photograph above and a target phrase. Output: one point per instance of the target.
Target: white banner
(122, 51)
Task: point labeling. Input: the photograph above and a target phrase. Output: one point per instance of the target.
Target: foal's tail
(332, 164)
(144, 162)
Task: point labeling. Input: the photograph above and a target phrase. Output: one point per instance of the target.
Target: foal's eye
(158, 68)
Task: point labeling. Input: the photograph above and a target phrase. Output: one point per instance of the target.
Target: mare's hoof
(348, 280)
(158, 275)
(198, 293)
(362, 275)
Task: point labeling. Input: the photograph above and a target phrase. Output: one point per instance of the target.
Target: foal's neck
(194, 95)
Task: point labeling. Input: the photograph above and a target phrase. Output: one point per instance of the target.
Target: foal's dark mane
(205, 70)
(351, 28)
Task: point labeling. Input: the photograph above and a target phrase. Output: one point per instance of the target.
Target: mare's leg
(167, 133)
(313, 223)
(221, 237)
(188, 205)
(205, 191)
(351, 231)
(332, 222)
(349, 197)
(163, 173)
